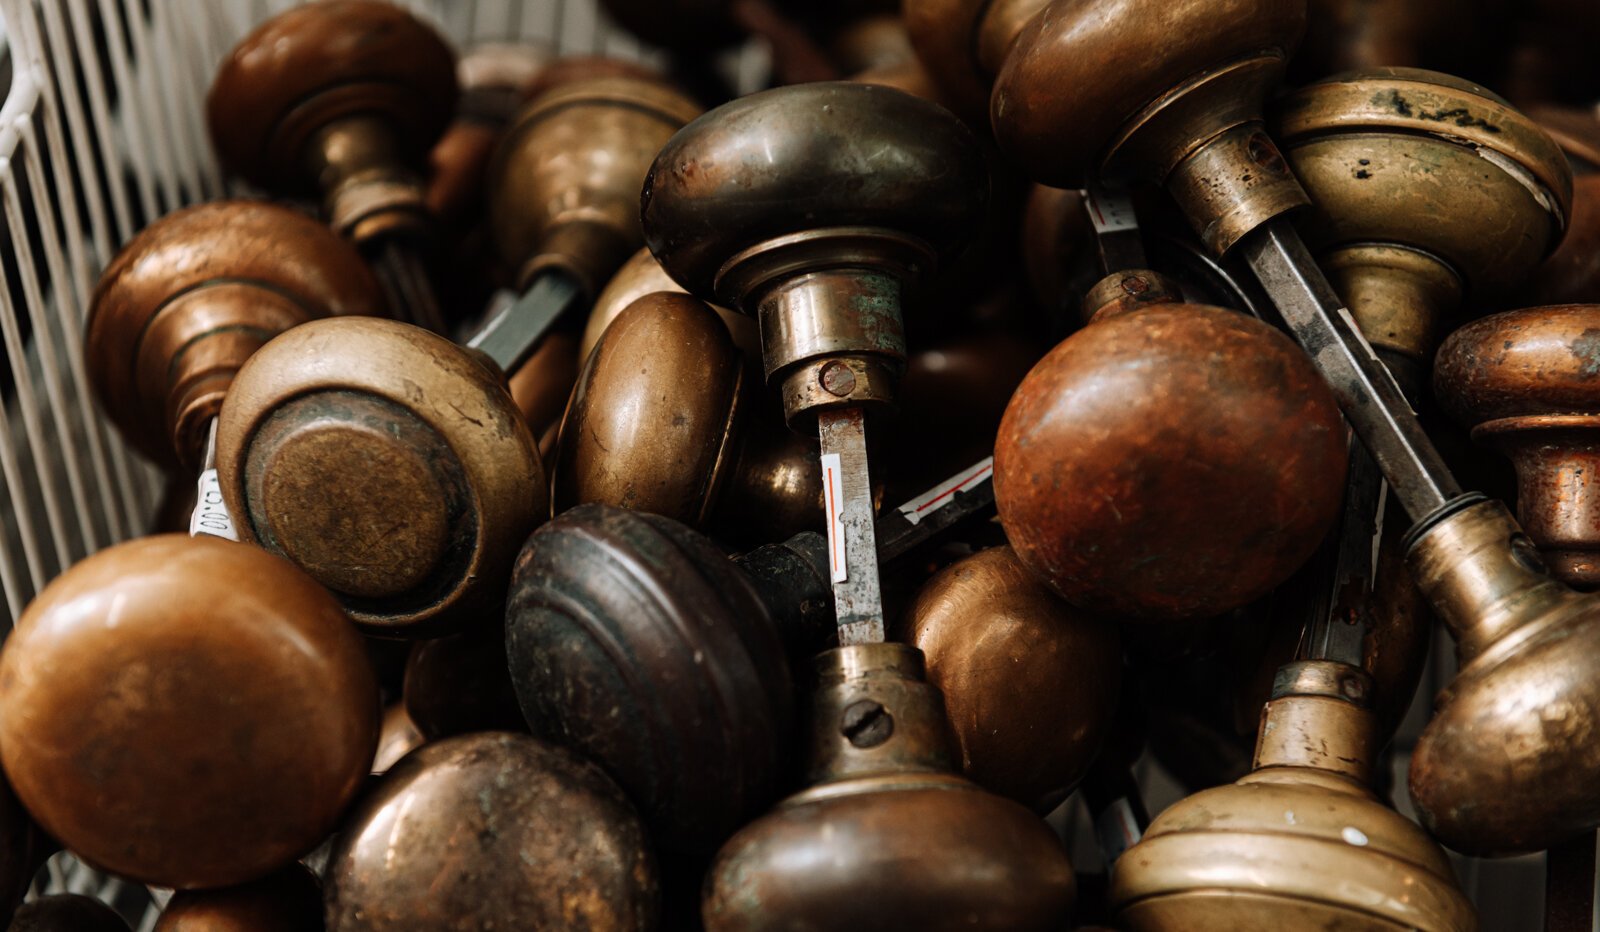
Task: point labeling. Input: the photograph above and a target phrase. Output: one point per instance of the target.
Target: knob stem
(874, 713)
(368, 192)
(1320, 716)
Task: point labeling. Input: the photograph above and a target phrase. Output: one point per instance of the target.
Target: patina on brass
(1029, 683)
(887, 836)
(1524, 381)
(1084, 475)
(287, 901)
(1178, 102)
(66, 912)
(963, 43)
(666, 418)
(187, 301)
(1423, 187)
(642, 275)
(388, 462)
(635, 641)
(564, 182)
(1301, 842)
(186, 712)
(341, 97)
(812, 207)
(492, 830)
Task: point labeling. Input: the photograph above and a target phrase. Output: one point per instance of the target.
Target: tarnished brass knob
(461, 683)
(887, 837)
(66, 912)
(1410, 208)
(1301, 842)
(700, 677)
(1178, 91)
(1029, 683)
(341, 97)
(664, 419)
(388, 462)
(1085, 478)
(564, 183)
(963, 43)
(187, 301)
(812, 207)
(492, 830)
(187, 712)
(642, 275)
(1524, 382)
(287, 901)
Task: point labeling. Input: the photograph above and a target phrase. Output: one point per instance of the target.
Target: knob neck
(875, 715)
(1129, 290)
(1320, 716)
(1398, 297)
(1558, 496)
(368, 192)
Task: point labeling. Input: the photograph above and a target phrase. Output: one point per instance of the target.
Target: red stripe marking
(833, 521)
(954, 489)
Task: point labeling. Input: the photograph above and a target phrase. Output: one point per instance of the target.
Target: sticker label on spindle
(210, 514)
(833, 505)
(945, 492)
(1111, 211)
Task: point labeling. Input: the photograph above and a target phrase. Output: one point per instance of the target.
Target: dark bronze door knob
(187, 712)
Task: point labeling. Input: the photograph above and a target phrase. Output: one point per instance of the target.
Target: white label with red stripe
(1111, 212)
(945, 492)
(210, 514)
(833, 495)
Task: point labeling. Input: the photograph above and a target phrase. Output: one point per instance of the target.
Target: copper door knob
(636, 642)
(564, 183)
(186, 302)
(812, 207)
(1409, 212)
(642, 275)
(1524, 382)
(492, 830)
(340, 97)
(1178, 88)
(963, 43)
(887, 837)
(186, 712)
(66, 912)
(389, 463)
(287, 901)
(1173, 462)
(1029, 683)
(1301, 842)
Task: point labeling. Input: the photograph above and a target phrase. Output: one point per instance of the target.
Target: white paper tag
(210, 514)
(1111, 212)
(833, 501)
(945, 492)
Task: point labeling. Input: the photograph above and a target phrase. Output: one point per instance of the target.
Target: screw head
(838, 379)
(866, 723)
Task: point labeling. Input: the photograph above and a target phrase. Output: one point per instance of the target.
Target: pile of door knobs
(591, 510)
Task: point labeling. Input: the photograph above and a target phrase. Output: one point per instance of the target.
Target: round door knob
(963, 43)
(1260, 853)
(287, 901)
(636, 642)
(492, 830)
(642, 275)
(1085, 476)
(1029, 683)
(186, 302)
(386, 461)
(186, 712)
(887, 837)
(564, 182)
(1411, 209)
(1523, 381)
(341, 97)
(66, 912)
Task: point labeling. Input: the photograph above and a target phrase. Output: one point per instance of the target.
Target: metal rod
(1342, 600)
(400, 270)
(1373, 404)
(510, 336)
(967, 493)
(1116, 228)
(852, 543)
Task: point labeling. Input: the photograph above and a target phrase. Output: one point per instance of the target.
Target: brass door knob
(492, 830)
(1084, 464)
(1523, 382)
(287, 901)
(811, 207)
(66, 912)
(1301, 841)
(887, 836)
(642, 275)
(189, 299)
(389, 463)
(700, 676)
(963, 43)
(665, 419)
(1409, 210)
(564, 182)
(186, 712)
(343, 98)
(1029, 683)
